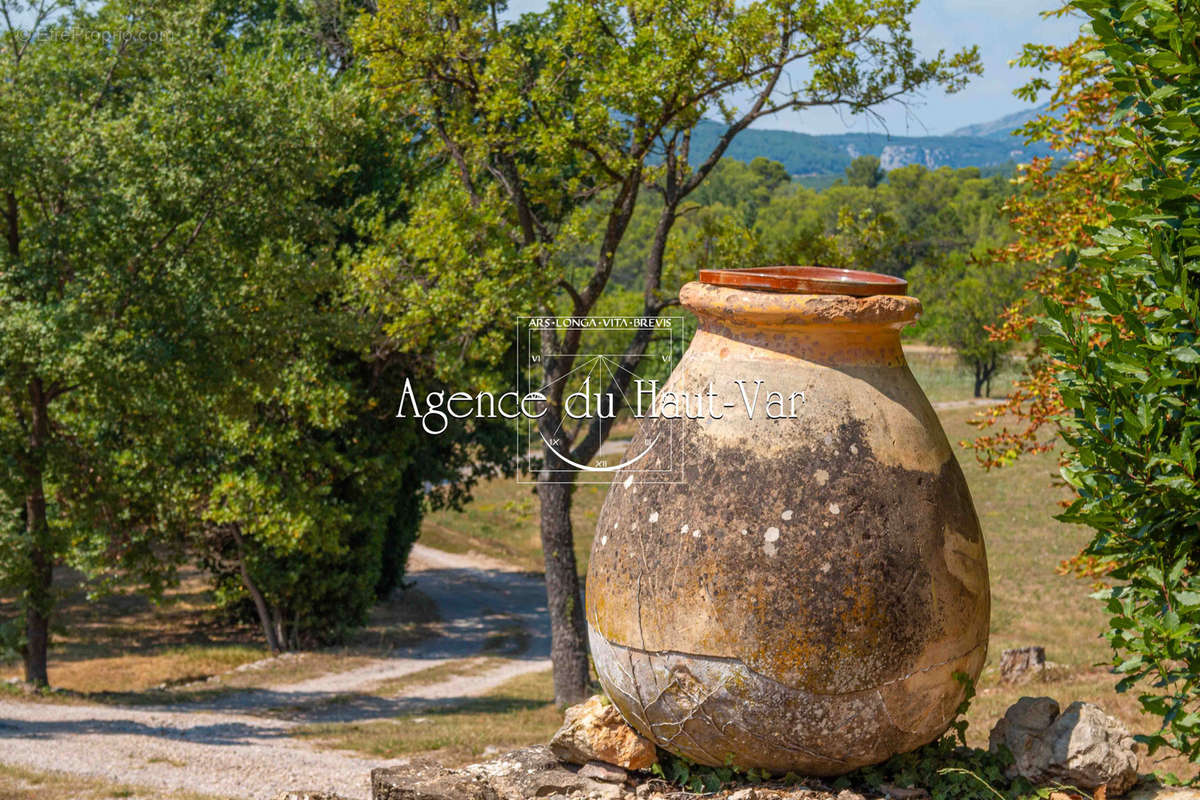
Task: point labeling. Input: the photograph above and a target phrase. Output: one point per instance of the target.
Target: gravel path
(222, 754)
(974, 402)
(223, 748)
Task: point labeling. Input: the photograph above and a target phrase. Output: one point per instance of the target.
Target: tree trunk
(41, 551)
(256, 596)
(984, 370)
(37, 610)
(568, 631)
(281, 635)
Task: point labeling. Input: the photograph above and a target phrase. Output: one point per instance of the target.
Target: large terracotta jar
(802, 598)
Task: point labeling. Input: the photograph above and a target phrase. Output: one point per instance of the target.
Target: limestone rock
(427, 781)
(521, 774)
(603, 771)
(595, 731)
(536, 772)
(1082, 746)
(308, 795)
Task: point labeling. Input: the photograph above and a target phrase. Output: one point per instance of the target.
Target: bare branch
(456, 153)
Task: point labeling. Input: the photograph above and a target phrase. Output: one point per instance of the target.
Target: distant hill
(1003, 127)
(805, 154)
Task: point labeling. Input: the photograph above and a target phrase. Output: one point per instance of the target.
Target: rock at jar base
(595, 731)
(717, 711)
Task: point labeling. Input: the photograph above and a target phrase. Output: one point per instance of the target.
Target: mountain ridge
(1001, 127)
(986, 144)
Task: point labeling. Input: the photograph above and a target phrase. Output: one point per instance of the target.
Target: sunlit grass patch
(518, 713)
(502, 522)
(140, 672)
(18, 783)
(458, 668)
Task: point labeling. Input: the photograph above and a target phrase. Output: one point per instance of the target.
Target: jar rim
(806, 280)
(738, 307)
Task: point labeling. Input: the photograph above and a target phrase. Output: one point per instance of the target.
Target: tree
(965, 301)
(1059, 202)
(569, 115)
(157, 180)
(309, 498)
(865, 171)
(918, 217)
(745, 187)
(1127, 365)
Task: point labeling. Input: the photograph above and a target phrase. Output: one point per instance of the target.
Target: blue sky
(999, 27)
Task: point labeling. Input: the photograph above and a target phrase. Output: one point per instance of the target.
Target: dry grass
(292, 668)
(124, 643)
(459, 668)
(18, 783)
(406, 618)
(518, 713)
(502, 522)
(125, 649)
(144, 672)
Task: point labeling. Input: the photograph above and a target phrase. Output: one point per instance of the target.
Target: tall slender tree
(553, 127)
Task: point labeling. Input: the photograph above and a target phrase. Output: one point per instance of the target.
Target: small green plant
(947, 769)
(702, 778)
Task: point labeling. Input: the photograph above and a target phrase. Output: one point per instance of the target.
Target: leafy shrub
(1129, 369)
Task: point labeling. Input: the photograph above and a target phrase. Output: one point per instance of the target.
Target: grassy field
(17, 783)
(125, 649)
(945, 379)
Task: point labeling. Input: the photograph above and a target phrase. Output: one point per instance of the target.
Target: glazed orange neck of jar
(829, 329)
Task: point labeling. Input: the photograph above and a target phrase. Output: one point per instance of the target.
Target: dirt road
(231, 747)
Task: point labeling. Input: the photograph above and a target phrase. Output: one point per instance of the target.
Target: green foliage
(963, 300)
(864, 171)
(918, 217)
(694, 777)
(1130, 368)
(158, 217)
(947, 770)
(183, 219)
